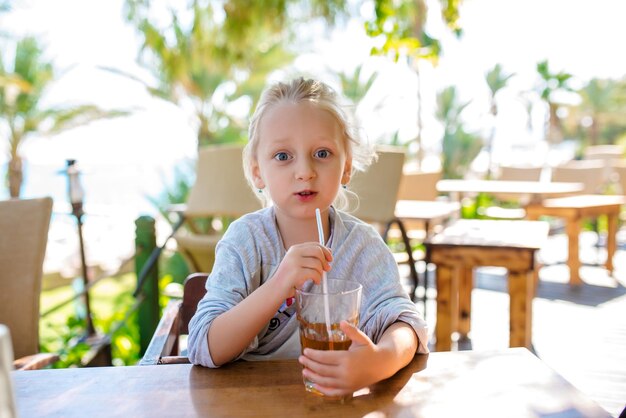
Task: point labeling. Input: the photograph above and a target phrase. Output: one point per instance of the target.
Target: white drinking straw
(320, 233)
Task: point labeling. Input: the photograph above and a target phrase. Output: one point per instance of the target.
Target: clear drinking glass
(344, 303)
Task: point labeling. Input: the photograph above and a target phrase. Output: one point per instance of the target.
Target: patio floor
(568, 324)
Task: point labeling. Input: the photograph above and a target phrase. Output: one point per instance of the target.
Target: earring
(345, 186)
(260, 190)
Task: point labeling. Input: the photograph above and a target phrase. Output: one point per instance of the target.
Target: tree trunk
(420, 150)
(594, 132)
(15, 176)
(555, 132)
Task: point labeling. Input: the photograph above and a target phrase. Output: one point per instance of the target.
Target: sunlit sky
(584, 38)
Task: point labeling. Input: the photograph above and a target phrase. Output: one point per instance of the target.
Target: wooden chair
(23, 240)
(419, 185)
(422, 186)
(517, 173)
(609, 155)
(509, 206)
(377, 188)
(619, 168)
(164, 348)
(377, 191)
(589, 173)
(602, 151)
(220, 189)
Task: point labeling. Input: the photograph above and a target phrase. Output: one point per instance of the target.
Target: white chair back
(589, 173)
(518, 173)
(377, 188)
(609, 155)
(620, 170)
(221, 187)
(594, 152)
(419, 185)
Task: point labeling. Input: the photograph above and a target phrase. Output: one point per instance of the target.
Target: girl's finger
(312, 267)
(328, 255)
(325, 381)
(318, 368)
(329, 357)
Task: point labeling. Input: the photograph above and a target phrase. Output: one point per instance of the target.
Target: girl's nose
(305, 170)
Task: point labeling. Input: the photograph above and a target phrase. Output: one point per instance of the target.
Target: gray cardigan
(249, 254)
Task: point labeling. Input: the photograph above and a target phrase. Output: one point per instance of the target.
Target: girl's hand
(306, 261)
(338, 373)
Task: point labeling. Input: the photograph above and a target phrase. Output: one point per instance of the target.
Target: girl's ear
(347, 171)
(256, 176)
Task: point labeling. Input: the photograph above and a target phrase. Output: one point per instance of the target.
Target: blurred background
(132, 89)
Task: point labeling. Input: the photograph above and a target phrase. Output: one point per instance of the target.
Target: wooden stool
(573, 210)
(467, 244)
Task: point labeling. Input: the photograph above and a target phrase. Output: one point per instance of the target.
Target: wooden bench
(467, 244)
(573, 210)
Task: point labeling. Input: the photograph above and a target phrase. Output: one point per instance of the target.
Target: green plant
(459, 146)
(67, 345)
(496, 81)
(218, 56)
(62, 331)
(353, 88)
(122, 328)
(551, 86)
(400, 24)
(23, 86)
(599, 118)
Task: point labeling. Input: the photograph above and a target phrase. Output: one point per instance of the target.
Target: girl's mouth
(305, 195)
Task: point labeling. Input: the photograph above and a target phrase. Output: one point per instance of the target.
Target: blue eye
(281, 156)
(323, 153)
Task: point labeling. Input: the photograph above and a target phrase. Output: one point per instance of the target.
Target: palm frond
(154, 91)
(69, 118)
(497, 79)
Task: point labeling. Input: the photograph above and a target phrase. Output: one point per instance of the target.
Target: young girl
(301, 151)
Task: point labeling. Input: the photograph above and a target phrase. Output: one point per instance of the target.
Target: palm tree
(352, 86)
(459, 146)
(599, 102)
(22, 88)
(401, 24)
(553, 84)
(496, 80)
(222, 54)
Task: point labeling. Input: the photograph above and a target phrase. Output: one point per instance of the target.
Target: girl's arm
(231, 332)
(337, 373)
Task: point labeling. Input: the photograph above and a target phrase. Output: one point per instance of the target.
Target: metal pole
(89, 321)
(76, 195)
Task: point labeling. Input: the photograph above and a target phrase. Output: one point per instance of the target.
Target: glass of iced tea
(344, 302)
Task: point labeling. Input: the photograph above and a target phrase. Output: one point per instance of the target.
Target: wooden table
(574, 209)
(536, 189)
(510, 382)
(466, 244)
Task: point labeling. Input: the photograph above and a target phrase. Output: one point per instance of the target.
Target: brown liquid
(315, 336)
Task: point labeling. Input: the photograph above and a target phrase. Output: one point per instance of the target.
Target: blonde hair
(325, 98)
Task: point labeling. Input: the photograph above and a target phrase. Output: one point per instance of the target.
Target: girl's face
(301, 159)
